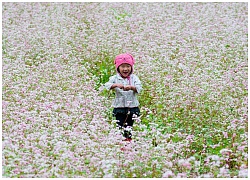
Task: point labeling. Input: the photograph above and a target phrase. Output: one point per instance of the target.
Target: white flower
(168, 174)
(225, 151)
(243, 173)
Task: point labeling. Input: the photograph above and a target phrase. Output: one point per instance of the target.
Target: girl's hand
(127, 88)
(121, 86)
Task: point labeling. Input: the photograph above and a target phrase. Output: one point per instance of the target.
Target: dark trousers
(123, 121)
(124, 118)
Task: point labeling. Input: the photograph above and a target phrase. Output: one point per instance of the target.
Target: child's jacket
(125, 98)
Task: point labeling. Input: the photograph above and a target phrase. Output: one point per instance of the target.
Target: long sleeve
(108, 84)
(137, 84)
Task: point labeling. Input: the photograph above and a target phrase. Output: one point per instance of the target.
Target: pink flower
(181, 175)
(187, 165)
(241, 148)
(234, 135)
(225, 134)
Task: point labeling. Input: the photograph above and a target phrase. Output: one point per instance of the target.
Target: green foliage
(120, 16)
(102, 67)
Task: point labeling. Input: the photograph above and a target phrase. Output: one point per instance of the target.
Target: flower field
(192, 59)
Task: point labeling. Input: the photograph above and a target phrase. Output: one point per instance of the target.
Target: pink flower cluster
(190, 57)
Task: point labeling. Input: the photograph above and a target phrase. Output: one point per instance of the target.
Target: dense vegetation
(191, 58)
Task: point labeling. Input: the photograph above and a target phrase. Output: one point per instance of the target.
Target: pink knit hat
(124, 58)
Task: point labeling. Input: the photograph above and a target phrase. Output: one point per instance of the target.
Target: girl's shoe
(128, 139)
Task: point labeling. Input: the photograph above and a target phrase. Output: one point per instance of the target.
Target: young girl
(127, 86)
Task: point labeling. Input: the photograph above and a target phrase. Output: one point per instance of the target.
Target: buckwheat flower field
(190, 57)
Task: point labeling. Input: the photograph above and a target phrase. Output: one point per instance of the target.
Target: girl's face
(125, 70)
